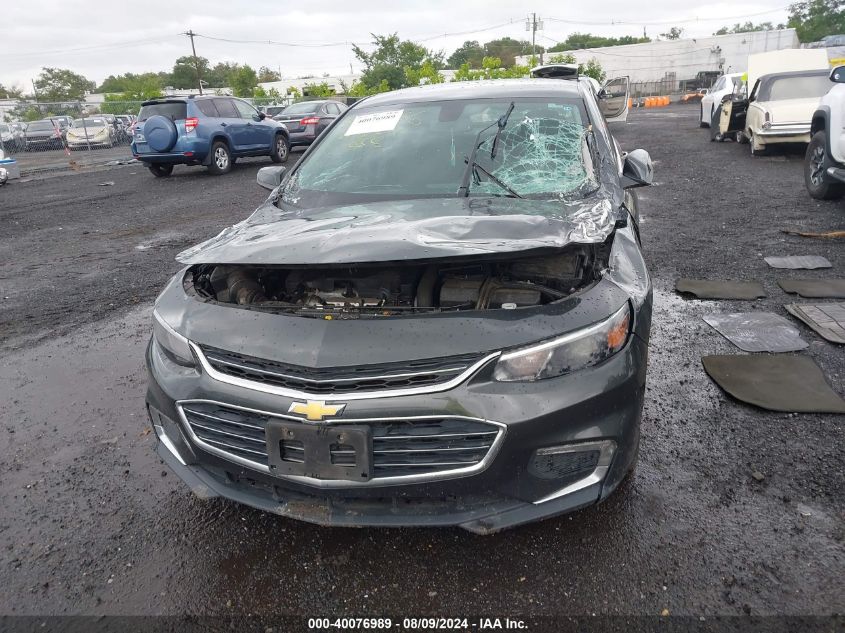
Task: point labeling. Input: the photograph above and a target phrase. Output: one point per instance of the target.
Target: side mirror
(271, 177)
(261, 116)
(637, 169)
(837, 75)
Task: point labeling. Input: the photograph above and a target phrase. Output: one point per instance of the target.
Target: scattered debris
(815, 288)
(758, 476)
(795, 262)
(757, 331)
(826, 235)
(721, 289)
(826, 319)
(108, 183)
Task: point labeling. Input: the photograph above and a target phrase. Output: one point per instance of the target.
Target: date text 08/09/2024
(414, 624)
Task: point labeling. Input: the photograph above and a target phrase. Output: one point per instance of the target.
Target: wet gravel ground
(93, 523)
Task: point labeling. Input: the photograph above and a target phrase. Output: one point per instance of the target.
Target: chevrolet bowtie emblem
(316, 410)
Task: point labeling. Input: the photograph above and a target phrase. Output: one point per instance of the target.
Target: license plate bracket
(321, 451)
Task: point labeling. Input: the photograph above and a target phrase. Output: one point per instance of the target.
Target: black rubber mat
(815, 288)
(721, 289)
(798, 261)
(827, 319)
(791, 383)
(757, 331)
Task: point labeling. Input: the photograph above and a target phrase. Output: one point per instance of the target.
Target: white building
(676, 60)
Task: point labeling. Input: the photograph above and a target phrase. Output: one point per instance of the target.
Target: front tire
(160, 171)
(221, 159)
(816, 163)
(281, 149)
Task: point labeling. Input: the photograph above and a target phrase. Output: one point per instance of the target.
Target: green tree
(184, 74)
(816, 19)
(507, 48)
(470, 52)
(130, 87)
(673, 34)
(318, 90)
(294, 92)
(578, 41)
(748, 27)
(387, 63)
(266, 74)
(10, 92)
(60, 84)
(242, 80)
(426, 74)
(491, 68)
(592, 68)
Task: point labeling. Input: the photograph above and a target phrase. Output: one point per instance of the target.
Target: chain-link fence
(64, 128)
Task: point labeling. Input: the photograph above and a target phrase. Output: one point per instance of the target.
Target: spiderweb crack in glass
(538, 156)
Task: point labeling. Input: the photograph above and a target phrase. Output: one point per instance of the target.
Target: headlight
(174, 344)
(567, 353)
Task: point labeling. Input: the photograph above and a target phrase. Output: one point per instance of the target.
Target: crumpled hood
(398, 230)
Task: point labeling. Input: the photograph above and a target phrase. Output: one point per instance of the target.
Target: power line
(665, 22)
(96, 47)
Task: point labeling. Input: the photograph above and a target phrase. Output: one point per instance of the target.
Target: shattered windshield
(419, 150)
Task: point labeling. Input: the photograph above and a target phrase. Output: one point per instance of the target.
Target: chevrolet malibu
(440, 316)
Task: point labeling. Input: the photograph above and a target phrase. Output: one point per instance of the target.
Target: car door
(735, 111)
(233, 126)
(259, 134)
(613, 99)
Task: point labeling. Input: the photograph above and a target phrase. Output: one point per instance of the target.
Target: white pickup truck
(824, 163)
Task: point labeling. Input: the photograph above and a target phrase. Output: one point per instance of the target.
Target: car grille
(340, 380)
(401, 447)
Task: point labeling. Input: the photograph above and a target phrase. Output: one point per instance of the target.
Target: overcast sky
(101, 39)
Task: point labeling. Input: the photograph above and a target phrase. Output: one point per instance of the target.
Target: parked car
(213, 131)
(824, 162)
(306, 120)
(399, 336)
(712, 99)
(44, 134)
(4, 175)
(126, 122)
(272, 110)
(90, 132)
(10, 139)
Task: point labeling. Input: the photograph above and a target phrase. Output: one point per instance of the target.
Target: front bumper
(600, 405)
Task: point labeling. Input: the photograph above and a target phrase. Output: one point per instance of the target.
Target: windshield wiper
(497, 181)
(502, 121)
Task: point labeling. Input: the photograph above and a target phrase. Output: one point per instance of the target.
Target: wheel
(160, 170)
(816, 163)
(715, 132)
(741, 138)
(221, 159)
(701, 121)
(281, 149)
(757, 149)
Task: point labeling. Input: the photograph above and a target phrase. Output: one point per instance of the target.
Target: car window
(417, 150)
(298, 109)
(244, 109)
(812, 86)
(40, 126)
(207, 108)
(333, 109)
(719, 84)
(174, 110)
(226, 108)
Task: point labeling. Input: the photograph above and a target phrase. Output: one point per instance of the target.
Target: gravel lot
(92, 523)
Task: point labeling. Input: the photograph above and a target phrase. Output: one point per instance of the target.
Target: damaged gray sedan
(440, 316)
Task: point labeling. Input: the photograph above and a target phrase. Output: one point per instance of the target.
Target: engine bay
(393, 289)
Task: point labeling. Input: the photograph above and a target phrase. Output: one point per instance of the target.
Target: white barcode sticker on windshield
(377, 122)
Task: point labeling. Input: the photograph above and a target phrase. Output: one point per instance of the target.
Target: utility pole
(191, 34)
(533, 24)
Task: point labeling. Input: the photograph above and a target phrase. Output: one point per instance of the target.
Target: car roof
(795, 73)
(483, 89)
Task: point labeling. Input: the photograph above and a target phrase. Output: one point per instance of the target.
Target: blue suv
(206, 130)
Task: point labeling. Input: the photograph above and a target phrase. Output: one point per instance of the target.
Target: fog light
(573, 466)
